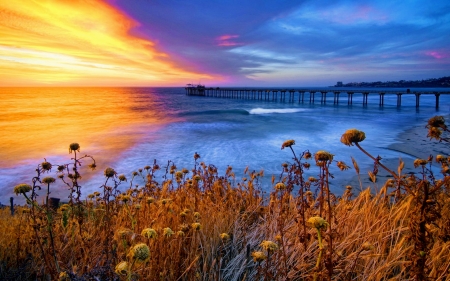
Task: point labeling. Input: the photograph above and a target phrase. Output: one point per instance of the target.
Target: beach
(413, 142)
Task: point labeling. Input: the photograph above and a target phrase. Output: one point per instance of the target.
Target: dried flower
(196, 156)
(352, 136)
(167, 232)
(307, 155)
(122, 268)
(22, 188)
(74, 147)
(197, 215)
(258, 256)
(280, 186)
(48, 180)
(149, 233)
(196, 226)
(180, 233)
(224, 236)
(197, 178)
(150, 200)
(109, 172)
(437, 122)
(269, 246)
(418, 162)
(317, 222)
(61, 168)
(342, 166)
(323, 156)
(140, 252)
(46, 166)
(122, 177)
(288, 143)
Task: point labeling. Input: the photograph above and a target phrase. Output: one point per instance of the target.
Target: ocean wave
(215, 112)
(275, 110)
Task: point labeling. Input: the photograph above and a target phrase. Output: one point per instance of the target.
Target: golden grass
(208, 225)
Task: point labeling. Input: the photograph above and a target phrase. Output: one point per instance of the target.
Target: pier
(304, 95)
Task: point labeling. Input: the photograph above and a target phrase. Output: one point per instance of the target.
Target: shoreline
(414, 142)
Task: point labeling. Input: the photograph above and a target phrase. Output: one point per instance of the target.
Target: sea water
(129, 128)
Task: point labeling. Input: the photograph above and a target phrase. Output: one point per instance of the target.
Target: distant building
(339, 84)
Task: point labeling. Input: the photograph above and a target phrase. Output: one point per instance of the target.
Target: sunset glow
(79, 43)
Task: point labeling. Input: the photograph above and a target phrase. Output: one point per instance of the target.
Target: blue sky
(300, 42)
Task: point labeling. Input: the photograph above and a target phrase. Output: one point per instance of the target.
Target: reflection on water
(38, 122)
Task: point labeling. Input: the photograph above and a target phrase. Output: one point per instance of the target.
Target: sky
(221, 43)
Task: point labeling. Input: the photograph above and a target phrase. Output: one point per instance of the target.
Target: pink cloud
(226, 40)
(437, 54)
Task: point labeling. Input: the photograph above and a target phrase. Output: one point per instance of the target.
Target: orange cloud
(79, 43)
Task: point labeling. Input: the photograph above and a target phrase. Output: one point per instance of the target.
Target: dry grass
(218, 225)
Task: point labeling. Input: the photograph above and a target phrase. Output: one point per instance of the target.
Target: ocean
(129, 128)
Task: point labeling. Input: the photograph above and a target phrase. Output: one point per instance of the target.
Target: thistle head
(167, 232)
(420, 162)
(437, 122)
(280, 186)
(122, 268)
(269, 246)
(196, 226)
(317, 222)
(48, 180)
(109, 172)
(352, 136)
(22, 188)
(122, 177)
(140, 252)
(258, 256)
(323, 156)
(287, 143)
(46, 166)
(74, 147)
(224, 236)
(149, 233)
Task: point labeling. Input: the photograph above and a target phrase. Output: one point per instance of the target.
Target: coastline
(412, 141)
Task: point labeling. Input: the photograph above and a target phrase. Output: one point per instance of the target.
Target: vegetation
(199, 225)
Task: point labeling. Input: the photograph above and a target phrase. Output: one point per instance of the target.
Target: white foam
(275, 110)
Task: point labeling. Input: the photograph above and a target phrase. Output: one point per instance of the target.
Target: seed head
(317, 222)
(197, 215)
(140, 252)
(48, 180)
(122, 177)
(196, 156)
(352, 136)
(437, 122)
(224, 236)
(74, 147)
(269, 246)
(258, 256)
(180, 233)
(46, 166)
(420, 162)
(167, 232)
(280, 186)
(122, 268)
(109, 172)
(307, 155)
(150, 200)
(287, 143)
(323, 156)
(61, 168)
(197, 178)
(149, 233)
(196, 226)
(22, 188)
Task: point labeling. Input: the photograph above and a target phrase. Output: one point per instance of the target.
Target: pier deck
(299, 94)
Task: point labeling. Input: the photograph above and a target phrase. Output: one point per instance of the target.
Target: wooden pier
(299, 94)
